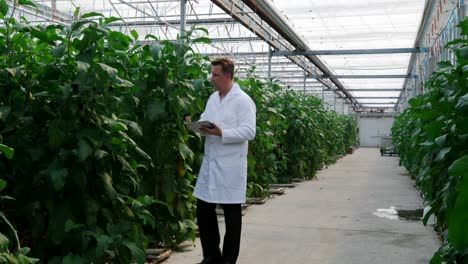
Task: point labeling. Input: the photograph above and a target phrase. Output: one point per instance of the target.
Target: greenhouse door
(374, 131)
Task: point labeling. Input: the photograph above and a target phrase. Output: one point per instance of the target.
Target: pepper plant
(431, 137)
(81, 105)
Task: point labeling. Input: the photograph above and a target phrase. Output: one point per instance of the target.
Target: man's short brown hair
(227, 65)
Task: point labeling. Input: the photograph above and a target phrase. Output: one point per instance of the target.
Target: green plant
(431, 137)
(82, 109)
(18, 254)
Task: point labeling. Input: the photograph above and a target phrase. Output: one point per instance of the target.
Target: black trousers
(209, 232)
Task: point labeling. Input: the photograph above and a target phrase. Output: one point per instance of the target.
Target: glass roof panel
(358, 24)
(324, 25)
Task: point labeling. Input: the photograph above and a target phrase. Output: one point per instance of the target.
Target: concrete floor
(332, 220)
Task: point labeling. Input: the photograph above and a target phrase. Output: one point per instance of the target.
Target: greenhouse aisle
(334, 219)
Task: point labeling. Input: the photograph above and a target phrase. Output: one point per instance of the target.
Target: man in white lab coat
(223, 175)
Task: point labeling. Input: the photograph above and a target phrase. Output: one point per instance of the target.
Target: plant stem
(13, 230)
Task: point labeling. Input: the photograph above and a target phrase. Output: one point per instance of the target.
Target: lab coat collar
(235, 90)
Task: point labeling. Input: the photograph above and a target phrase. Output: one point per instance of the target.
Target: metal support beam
(387, 103)
(267, 12)
(183, 6)
(305, 79)
(376, 97)
(374, 90)
(344, 52)
(396, 76)
(238, 54)
(214, 40)
(334, 102)
(269, 63)
(150, 23)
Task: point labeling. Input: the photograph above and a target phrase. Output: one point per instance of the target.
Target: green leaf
(134, 34)
(201, 29)
(458, 217)
(185, 152)
(118, 40)
(3, 184)
(99, 154)
(464, 27)
(143, 154)
(428, 215)
(103, 243)
(92, 14)
(16, 72)
(82, 66)
(58, 51)
(442, 153)
(118, 126)
(436, 259)
(76, 12)
(107, 184)
(462, 102)
(70, 225)
(112, 72)
(84, 150)
(25, 250)
(58, 178)
(3, 7)
(111, 19)
(26, 2)
(7, 151)
(4, 243)
(4, 112)
(134, 127)
(137, 252)
(427, 144)
(202, 40)
(441, 140)
(463, 52)
(459, 167)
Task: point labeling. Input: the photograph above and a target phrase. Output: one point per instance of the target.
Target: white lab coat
(223, 173)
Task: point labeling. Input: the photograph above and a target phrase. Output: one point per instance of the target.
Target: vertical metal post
(53, 8)
(269, 63)
(305, 79)
(342, 106)
(334, 102)
(323, 93)
(183, 6)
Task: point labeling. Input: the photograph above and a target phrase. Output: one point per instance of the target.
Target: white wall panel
(372, 130)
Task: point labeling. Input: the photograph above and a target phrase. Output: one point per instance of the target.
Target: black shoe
(212, 261)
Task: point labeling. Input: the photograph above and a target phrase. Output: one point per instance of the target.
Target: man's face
(218, 78)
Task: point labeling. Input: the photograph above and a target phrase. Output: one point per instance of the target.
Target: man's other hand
(212, 130)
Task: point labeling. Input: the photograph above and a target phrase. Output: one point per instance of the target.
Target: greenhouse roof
(330, 30)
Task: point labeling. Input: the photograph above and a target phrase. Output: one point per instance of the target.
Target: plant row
(431, 137)
(296, 136)
(95, 159)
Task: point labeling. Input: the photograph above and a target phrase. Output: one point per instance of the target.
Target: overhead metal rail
(386, 103)
(267, 13)
(374, 90)
(377, 76)
(376, 97)
(207, 21)
(343, 52)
